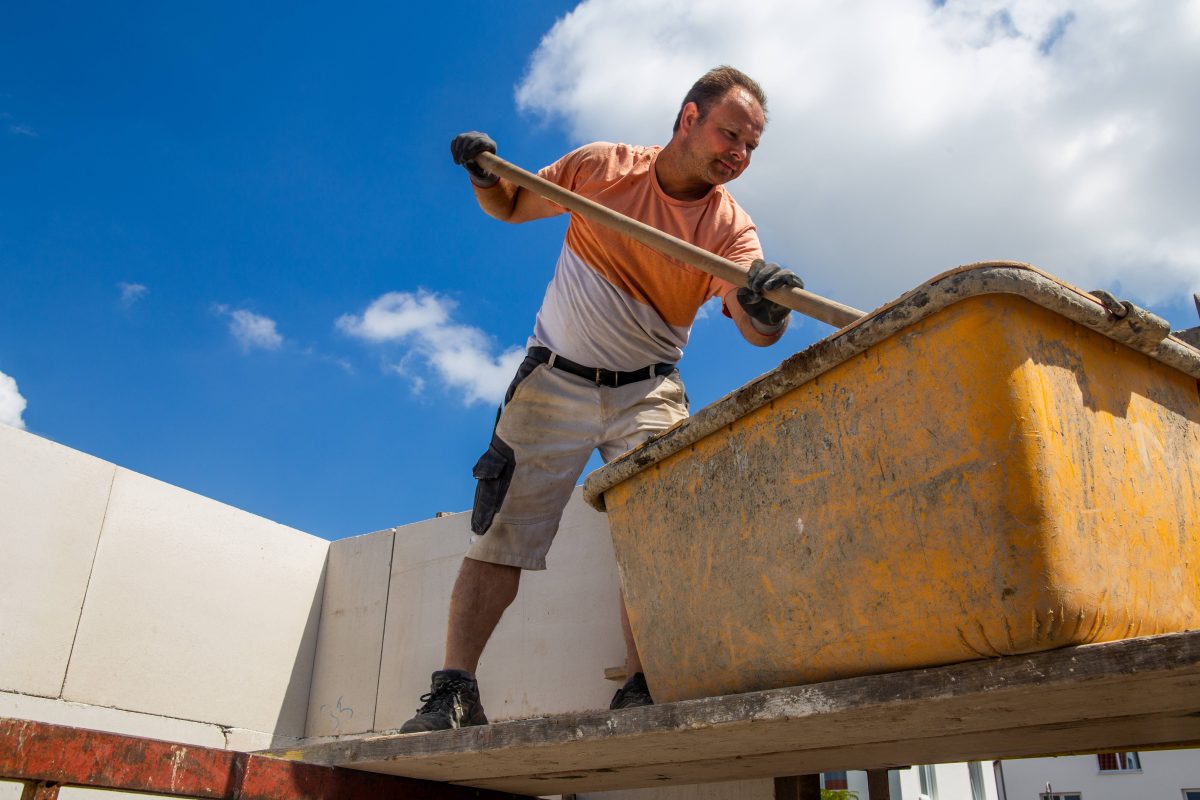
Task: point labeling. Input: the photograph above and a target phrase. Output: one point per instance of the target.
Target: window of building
(1191, 794)
(1061, 796)
(834, 780)
(928, 778)
(1119, 762)
(975, 773)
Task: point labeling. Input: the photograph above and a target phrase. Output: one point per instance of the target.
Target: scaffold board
(1135, 694)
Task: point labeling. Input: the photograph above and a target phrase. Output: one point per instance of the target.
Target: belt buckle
(599, 380)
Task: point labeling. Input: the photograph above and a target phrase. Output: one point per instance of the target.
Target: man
(600, 371)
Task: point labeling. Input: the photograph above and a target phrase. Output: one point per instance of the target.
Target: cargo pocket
(678, 380)
(493, 471)
(678, 393)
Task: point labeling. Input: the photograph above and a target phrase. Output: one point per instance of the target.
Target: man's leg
(539, 447)
(633, 661)
(481, 594)
(634, 692)
(636, 412)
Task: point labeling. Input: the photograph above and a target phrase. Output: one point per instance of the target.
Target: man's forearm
(508, 202)
(753, 331)
(499, 201)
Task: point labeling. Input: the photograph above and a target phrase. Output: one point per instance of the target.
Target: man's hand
(465, 147)
(764, 277)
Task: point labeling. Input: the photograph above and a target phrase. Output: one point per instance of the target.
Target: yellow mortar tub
(993, 464)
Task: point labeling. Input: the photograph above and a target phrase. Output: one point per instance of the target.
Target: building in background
(1149, 775)
(962, 781)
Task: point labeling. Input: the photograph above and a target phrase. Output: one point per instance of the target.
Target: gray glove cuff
(763, 311)
(465, 147)
(763, 277)
(480, 177)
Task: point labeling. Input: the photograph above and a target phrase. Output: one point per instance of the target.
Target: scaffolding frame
(47, 757)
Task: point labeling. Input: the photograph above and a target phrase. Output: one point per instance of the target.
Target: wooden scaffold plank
(1138, 693)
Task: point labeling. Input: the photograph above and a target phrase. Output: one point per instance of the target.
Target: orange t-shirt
(614, 302)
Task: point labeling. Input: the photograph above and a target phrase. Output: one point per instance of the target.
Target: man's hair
(714, 85)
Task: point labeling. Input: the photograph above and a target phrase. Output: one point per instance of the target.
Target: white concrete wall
(53, 502)
(1164, 776)
(134, 606)
(345, 681)
(10, 790)
(383, 626)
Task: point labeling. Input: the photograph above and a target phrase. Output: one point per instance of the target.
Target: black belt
(601, 377)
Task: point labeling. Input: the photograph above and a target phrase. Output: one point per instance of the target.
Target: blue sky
(201, 202)
(291, 163)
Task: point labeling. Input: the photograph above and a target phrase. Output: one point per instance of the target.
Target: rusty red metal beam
(57, 754)
(40, 791)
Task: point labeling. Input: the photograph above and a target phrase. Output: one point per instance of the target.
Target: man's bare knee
(485, 571)
(482, 592)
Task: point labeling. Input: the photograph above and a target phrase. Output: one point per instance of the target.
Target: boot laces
(445, 699)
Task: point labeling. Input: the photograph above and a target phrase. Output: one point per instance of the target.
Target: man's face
(720, 145)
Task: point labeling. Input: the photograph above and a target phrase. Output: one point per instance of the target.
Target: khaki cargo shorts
(550, 424)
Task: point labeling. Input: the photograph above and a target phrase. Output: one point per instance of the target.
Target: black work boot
(634, 693)
(452, 702)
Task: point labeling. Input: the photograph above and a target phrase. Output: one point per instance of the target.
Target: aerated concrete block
(52, 502)
(129, 723)
(199, 611)
(346, 672)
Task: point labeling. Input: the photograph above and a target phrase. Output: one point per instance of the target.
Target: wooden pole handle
(807, 303)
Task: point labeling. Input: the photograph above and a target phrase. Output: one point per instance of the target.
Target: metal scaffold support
(46, 757)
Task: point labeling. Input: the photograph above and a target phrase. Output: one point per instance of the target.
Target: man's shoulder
(604, 162)
(615, 151)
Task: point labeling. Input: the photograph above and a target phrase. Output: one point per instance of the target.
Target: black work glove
(764, 277)
(465, 147)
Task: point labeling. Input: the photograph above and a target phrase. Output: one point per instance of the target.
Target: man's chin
(719, 175)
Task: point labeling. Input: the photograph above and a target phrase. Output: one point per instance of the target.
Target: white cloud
(907, 138)
(23, 130)
(709, 310)
(396, 315)
(459, 355)
(12, 404)
(252, 331)
(131, 293)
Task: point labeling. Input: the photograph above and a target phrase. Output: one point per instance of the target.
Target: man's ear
(689, 116)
